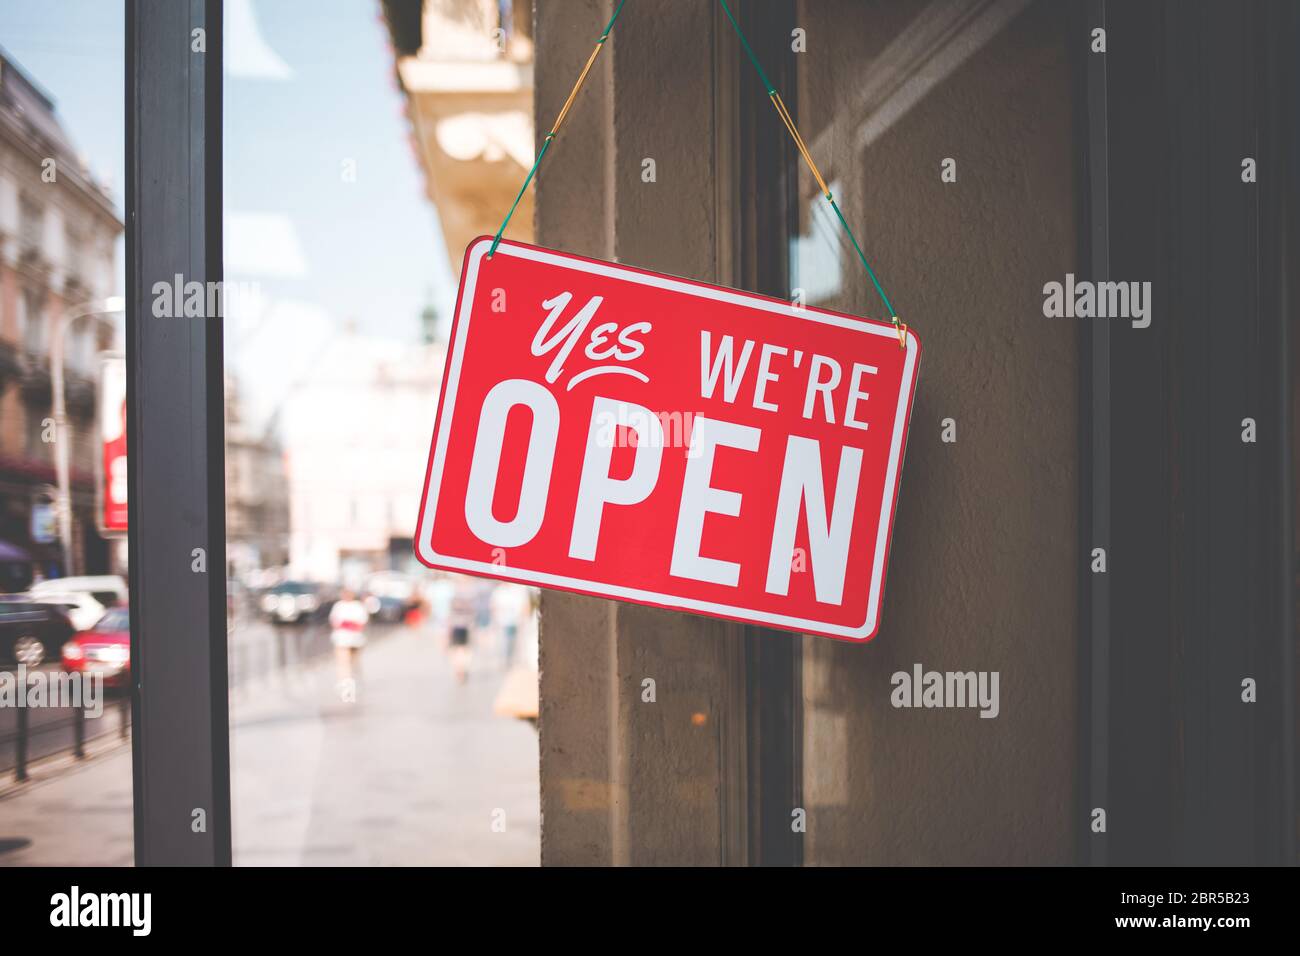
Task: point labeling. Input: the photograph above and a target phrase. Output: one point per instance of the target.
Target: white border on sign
(424, 536)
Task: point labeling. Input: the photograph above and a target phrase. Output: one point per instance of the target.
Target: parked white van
(107, 589)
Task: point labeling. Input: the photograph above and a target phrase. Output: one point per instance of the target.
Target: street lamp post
(63, 507)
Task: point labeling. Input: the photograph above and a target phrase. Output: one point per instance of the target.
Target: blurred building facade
(466, 68)
(58, 230)
(257, 492)
(353, 506)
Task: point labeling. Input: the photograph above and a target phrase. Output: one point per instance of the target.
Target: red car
(104, 649)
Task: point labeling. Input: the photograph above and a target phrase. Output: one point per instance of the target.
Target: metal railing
(58, 730)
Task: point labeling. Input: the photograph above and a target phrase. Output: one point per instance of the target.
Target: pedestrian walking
(462, 617)
(348, 619)
(440, 592)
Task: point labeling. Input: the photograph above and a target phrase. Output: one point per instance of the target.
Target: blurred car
(107, 589)
(104, 649)
(80, 606)
(31, 632)
(291, 601)
(385, 608)
(391, 595)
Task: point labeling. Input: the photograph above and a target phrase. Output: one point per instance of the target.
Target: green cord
(771, 90)
(610, 26)
(522, 189)
(870, 272)
(745, 43)
(546, 144)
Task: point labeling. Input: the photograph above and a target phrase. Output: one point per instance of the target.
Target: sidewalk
(417, 771)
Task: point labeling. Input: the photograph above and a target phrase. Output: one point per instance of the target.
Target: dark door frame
(1197, 525)
(175, 435)
(768, 202)
(1094, 437)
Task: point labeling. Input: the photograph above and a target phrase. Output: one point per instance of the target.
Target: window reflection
(65, 758)
(380, 713)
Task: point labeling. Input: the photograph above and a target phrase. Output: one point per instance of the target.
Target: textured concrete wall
(576, 633)
(624, 780)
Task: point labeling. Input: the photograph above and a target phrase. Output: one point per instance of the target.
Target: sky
(327, 225)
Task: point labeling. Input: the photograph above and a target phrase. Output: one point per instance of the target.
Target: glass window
(380, 714)
(35, 332)
(947, 136)
(65, 754)
(31, 222)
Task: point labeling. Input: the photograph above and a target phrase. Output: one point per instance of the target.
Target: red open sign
(617, 432)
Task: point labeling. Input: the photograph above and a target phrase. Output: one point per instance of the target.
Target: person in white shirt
(348, 619)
